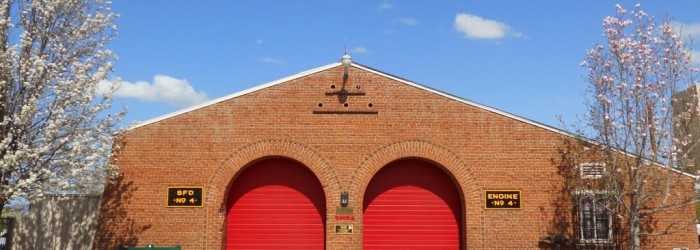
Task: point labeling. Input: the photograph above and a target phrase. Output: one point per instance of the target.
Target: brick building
(346, 157)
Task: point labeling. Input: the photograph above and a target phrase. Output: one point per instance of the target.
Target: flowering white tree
(55, 135)
(640, 126)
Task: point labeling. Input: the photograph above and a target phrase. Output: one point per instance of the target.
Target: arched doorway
(411, 204)
(276, 204)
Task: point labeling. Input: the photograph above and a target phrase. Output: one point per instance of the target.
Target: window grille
(592, 170)
(595, 221)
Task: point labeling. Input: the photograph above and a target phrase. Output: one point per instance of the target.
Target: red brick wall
(208, 147)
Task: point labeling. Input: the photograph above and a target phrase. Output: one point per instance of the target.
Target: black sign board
(185, 197)
(502, 199)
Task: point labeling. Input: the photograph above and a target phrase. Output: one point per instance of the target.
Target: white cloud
(271, 60)
(688, 29)
(690, 32)
(408, 21)
(359, 50)
(173, 91)
(386, 6)
(476, 27)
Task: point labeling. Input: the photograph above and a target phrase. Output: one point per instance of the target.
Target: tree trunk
(634, 240)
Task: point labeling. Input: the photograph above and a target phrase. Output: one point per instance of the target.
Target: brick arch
(441, 156)
(221, 180)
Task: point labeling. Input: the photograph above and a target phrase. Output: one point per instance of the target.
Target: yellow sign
(343, 228)
(185, 197)
(502, 199)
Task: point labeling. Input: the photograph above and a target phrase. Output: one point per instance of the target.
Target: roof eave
(231, 96)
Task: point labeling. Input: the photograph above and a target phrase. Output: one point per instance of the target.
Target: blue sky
(521, 57)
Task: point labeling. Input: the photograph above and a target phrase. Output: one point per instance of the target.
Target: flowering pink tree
(639, 124)
(55, 136)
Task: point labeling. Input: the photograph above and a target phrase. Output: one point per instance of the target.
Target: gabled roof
(374, 71)
(355, 65)
(234, 95)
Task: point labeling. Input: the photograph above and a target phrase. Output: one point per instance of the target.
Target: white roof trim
(234, 95)
(465, 101)
(503, 113)
(356, 65)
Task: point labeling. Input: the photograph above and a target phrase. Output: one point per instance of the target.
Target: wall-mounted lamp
(346, 64)
(344, 199)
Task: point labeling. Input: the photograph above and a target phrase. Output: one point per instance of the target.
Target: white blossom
(55, 135)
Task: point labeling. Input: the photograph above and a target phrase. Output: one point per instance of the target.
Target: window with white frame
(594, 218)
(592, 170)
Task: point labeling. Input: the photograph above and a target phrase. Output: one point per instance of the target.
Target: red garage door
(276, 204)
(411, 204)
